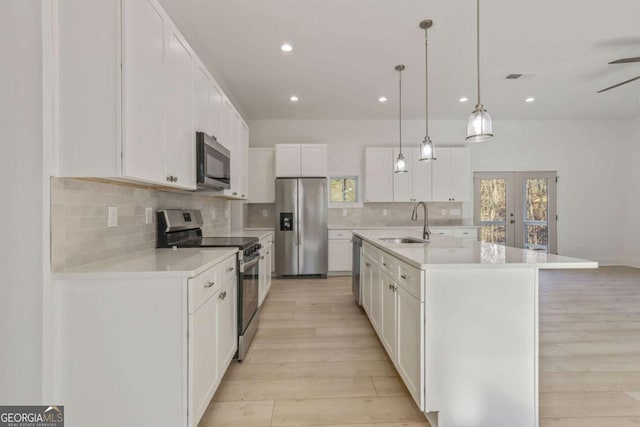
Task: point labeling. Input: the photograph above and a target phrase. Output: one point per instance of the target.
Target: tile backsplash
(261, 215)
(79, 229)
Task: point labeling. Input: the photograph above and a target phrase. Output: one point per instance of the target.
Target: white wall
(632, 196)
(21, 259)
(586, 154)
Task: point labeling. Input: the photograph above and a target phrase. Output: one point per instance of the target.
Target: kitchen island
(459, 320)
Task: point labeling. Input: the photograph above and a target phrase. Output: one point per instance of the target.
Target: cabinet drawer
(388, 264)
(409, 278)
(202, 287)
(442, 232)
(228, 269)
(466, 233)
(339, 234)
(371, 251)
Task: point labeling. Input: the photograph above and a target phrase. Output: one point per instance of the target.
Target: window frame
(358, 203)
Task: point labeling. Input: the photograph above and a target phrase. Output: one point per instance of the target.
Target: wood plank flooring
(316, 361)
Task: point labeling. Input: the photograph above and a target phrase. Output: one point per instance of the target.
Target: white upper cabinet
(451, 176)
(414, 185)
(202, 106)
(131, 95)
(180, 137)
(144, 39)
(313, 160)
(246, 172)
(262, 177)
(378, 174)
(288, 160)
(295, 160)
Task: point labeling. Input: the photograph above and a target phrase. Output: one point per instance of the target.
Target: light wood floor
(316, 360)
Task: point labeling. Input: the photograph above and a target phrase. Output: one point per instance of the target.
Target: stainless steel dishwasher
(355, 269)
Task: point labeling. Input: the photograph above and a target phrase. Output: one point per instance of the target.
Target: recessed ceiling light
(530, 99)
(286, 47)
(464, 99)
(382, 99)
(293, 98)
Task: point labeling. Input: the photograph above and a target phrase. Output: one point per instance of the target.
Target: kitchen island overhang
(476, 362)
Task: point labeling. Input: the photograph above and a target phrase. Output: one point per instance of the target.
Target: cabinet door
(262, 283)
(460, 174)
(403, 182)
(246, 172)
(340, 255)
(215, 107)
(236, 152)
(388, 315)
(179, 156)
(204, 374)
(201, 104)
(421, 177)
(267, 267)
(441, 175)
(262, 187)
(227, 325)
(226, 124)
(313, 160)
(378, 175)
(144, 36)
(410, 339)
(376, 296)
(365, 283)
(288, 160)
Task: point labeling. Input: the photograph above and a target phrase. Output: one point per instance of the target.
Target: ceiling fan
(622, 61)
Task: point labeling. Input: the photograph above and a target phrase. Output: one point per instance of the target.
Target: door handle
(209, 284)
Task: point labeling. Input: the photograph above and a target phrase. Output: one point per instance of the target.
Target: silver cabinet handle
(385, 264)
(403, 276)
(235, 194)
(262, 257)
(268, 252)
(230, 269)
(395, 288)
(391, 286)
(209, 284)
(222, 295)
(367, 264)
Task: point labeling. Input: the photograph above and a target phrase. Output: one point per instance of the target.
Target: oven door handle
(245, 265)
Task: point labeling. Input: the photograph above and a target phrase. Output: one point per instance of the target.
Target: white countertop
(445, 252)
(416, 227)
(184, 262)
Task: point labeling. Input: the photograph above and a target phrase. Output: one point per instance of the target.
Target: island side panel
(481, 346)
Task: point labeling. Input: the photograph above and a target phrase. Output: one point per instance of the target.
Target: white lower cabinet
(155, 346)
(397, 315)
(264, 267)
(388, 321)
(340, 251)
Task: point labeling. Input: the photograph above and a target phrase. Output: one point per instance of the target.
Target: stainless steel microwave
(213, 163)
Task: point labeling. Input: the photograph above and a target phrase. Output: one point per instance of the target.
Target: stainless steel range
(183, 229)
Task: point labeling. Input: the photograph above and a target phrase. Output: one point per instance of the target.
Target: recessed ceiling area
(345, 53)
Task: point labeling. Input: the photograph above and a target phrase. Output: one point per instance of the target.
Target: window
(344, 189)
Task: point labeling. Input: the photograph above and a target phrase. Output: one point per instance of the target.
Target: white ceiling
(345, 52)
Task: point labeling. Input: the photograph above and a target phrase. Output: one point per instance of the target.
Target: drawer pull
(391, 286)
(222, 295)
(209, 284)
(404, 276)
(385, 264)
(262, 257)
(367, 264)
(230, 269)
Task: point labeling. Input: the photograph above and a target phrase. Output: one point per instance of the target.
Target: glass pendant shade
(426, 150)
(479, 127)
(401, 164)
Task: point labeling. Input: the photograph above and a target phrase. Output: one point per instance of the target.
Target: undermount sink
(399, 240)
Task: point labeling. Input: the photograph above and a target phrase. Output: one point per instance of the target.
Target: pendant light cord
(478, 46)
(400, 105)
(426, 90)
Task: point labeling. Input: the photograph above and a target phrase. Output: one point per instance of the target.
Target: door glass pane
(536, 213)
(493, 210)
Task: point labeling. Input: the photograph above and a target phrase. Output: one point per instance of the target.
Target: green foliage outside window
(344, 189)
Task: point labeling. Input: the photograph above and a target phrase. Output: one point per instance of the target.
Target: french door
(516, 209)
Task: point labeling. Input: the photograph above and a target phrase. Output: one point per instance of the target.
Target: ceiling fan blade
(620, 84)
(625, 60)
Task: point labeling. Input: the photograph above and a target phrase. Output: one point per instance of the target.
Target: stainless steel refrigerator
(302, 239)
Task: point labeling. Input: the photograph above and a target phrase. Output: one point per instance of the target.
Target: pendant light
(426, 146)
(401, 162)
(479, 127)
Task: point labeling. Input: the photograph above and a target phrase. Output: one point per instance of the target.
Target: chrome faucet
(426, 232)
